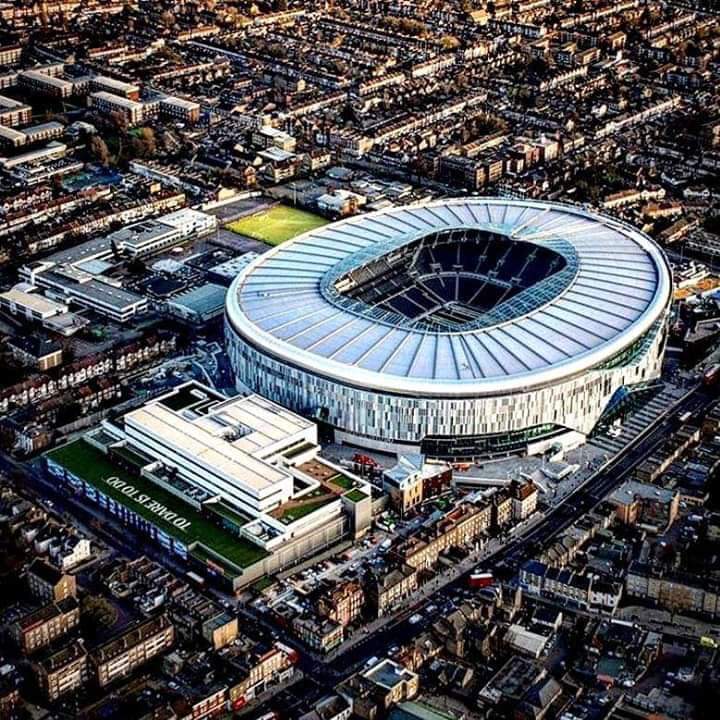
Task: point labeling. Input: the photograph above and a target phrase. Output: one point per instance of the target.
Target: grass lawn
(276, 225)
(295, 512)
(88, 463)
(342, 481)
(355, 496)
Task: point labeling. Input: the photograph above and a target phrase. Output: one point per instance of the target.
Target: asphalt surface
(321, 677)
(517, 551)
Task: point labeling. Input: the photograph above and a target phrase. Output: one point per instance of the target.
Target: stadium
(464, 328)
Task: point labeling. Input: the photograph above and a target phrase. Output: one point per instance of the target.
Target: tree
(99, 150)
(147, 136)
(119, 119)
(144, 143)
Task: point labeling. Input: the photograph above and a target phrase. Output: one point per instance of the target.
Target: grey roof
(618, 287)
(204, 299)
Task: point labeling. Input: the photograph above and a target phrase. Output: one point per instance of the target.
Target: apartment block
(48, 584)
(134, 647)
(62, 671)
(41, 627)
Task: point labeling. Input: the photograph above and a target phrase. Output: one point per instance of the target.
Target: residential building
(62, 671)
(334, 707)
(463, 525)
(132, 648)
(36, 351)
(108, 103)
(41, 627)
(411, 480)
(342, 603)
(524, 500)
(42, 82)
(220, 630)
(14, 112)
(187, 111)
(649, 506)
(262, 670)
(676, 591)
(386, 589)
(322, 635)
(102, 83)
(584, 591)
(48, 584)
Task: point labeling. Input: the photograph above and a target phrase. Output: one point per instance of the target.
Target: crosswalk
(638, 421)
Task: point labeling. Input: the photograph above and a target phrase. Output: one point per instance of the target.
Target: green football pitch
(276, 225)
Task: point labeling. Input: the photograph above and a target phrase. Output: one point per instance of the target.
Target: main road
(326, 674)
(523, 547)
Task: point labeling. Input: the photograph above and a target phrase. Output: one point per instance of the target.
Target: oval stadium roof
(611, 286)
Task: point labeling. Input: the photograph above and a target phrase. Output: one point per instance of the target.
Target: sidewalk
(414, 602)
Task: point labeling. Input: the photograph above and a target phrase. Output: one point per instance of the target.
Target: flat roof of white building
(33, 301)
(232, 436)
(267, 422)
(117, 100)
(208, 448)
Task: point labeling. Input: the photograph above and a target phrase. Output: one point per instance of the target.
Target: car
(415, 619)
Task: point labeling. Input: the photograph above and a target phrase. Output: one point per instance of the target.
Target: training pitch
(276, 225)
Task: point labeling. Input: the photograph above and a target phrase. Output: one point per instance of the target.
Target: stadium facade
(465, 327)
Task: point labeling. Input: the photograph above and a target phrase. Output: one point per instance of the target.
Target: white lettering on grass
(148, 503)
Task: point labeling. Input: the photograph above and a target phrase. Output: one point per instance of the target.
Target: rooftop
(92, 466)
(295, 301)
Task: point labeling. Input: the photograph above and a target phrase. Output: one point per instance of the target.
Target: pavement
(397, 629)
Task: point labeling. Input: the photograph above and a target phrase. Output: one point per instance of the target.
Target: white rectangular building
(107, 103)
(229, 448)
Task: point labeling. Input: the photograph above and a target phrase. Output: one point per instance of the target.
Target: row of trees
(141, 143)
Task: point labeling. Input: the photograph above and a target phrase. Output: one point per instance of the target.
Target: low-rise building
(386, 590)
(102, 83)
(39, 628)
(584, 591)
(62, 671)
(132, 648)
(462, 525)
(342, 603)
(322, 635)
(220, 630)
(48, 584)
(675, 591)
(650, 506)
(411, 480)
(36, 351)
(44, 83)
(108, 103)
(524, 500)
(501, 509)
(184, 110)
(261, 671)
(334, 707)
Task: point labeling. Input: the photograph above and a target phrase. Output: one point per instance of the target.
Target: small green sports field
(277, 224)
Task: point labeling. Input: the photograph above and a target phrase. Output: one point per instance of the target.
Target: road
(514, 553)
(325, 675)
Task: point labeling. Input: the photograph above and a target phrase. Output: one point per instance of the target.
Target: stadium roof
(615, 286)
